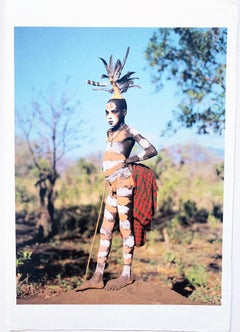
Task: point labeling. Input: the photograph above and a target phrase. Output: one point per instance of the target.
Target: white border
(185, 13)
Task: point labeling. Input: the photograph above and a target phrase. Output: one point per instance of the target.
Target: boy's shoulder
(132, 130)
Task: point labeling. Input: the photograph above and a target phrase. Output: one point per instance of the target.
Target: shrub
(196, 275)
(189, 213)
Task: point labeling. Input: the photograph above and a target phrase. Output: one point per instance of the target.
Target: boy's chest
(120, 137)
(120, 144)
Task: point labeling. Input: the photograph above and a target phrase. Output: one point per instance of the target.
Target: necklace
(116, 134)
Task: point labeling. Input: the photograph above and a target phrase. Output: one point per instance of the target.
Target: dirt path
(139, 292)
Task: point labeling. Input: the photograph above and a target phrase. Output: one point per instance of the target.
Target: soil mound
(139, 292)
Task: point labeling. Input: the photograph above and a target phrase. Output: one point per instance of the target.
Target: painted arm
(148, 151)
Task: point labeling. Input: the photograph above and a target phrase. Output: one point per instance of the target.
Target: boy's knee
(129, 241)
(107, 234)
(125, 224)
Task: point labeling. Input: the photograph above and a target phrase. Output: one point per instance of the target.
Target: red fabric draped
(144, 201)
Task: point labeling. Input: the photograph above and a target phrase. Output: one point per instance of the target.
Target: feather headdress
(118, 84)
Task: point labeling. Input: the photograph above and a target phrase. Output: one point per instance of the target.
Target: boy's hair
(121, 104)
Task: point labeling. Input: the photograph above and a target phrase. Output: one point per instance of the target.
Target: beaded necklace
(116, 134)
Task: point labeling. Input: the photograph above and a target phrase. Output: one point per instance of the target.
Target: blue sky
(46, 57)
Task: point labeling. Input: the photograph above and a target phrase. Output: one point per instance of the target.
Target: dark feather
(110, 66)
(126, 76)
(117, 70)
(126, 55)
(105, 64)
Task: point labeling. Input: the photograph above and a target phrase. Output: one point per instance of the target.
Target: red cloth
(144, 201)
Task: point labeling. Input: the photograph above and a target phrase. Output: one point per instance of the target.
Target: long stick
(95, 232)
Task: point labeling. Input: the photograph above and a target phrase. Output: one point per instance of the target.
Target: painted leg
(106, 232)
(124, 206)
(96, 282)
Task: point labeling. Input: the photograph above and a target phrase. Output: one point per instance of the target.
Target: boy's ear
(124, 112)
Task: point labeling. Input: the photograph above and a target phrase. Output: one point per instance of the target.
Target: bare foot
(120, 282)
(96, 282)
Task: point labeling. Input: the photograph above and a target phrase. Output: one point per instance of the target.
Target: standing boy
(117, 168)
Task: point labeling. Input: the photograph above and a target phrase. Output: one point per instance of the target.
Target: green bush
(196, 275)
(23, 257)
(189, 214)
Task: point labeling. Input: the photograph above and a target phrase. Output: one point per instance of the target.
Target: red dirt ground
(139, 292)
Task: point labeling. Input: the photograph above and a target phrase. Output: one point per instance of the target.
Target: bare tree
(51, 129)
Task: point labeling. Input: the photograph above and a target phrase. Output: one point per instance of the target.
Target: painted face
(114, 117)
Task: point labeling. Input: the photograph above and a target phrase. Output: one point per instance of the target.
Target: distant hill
(218, 152)
(192, 152)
